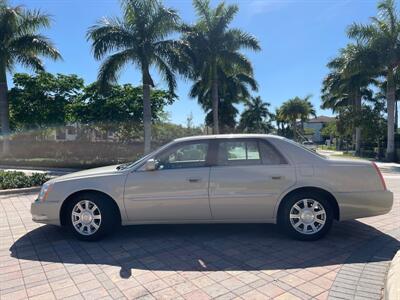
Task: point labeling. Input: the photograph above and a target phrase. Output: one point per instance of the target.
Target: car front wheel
(306, 216)
(91, 216)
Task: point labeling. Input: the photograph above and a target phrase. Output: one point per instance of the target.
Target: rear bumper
(364, 204)
(45, 212)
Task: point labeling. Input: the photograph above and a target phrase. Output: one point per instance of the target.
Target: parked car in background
(217, 179)
(310, 145)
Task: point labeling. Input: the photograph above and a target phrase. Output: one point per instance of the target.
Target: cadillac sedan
(217, 179)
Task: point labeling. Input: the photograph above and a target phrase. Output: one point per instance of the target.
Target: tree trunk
(391, 99)
(294, 131)
(215, 100)
(396, 116)
(4, 117)
(357, 107)
(146, 118)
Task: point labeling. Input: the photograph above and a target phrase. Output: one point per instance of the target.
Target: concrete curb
(20, 191)
(392, 286)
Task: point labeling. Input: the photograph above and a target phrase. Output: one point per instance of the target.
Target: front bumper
(354, 205)
(45, 212)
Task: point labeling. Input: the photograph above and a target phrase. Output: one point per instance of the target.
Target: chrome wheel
(307, 216)
(86, 217)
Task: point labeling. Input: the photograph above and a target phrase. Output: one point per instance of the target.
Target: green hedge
(14, 179)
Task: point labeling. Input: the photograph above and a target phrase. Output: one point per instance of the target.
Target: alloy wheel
(307, 216)
(86, 217)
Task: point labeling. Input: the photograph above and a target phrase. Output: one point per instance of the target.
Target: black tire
(106, 209)
(285, 223)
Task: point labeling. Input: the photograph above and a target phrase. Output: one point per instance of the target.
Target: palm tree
(383, 37)
(280, 121)
(256, 116)
(352, 72)
(20, 43)
(233, 89)
(212, 48)
(297, 109)
(139, 38)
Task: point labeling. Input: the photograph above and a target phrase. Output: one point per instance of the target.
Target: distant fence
(70, 153)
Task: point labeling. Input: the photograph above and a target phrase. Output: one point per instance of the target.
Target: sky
(297, 37)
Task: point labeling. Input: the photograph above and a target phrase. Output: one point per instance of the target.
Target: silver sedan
(217, 179)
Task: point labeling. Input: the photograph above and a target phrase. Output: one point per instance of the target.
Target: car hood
(102, 171)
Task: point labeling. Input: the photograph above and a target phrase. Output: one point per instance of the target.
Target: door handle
(276, 177)
(194, 179)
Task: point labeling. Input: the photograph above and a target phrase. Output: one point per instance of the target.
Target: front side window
(238, 153)
(188, 155)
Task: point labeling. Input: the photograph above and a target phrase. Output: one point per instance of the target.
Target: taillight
(380, 176)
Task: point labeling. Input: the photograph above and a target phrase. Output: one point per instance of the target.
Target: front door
(247, 180)
(176, 191)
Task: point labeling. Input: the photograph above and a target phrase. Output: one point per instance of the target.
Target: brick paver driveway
(194, 261)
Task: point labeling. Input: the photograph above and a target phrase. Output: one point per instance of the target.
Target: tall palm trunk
(391, 99)
(396, 116)
(215, 101)
(4, 118)
(357, 106)
(146, 111)
(294, 130)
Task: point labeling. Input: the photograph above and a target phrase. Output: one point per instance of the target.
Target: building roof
(321, 119)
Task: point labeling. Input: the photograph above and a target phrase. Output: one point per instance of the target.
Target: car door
(176, 191)
(247, 179)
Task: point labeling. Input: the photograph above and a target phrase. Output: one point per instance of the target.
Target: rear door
(247, 179)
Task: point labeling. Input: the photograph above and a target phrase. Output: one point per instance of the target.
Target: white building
(317, 124)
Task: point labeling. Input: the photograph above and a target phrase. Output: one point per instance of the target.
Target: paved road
(194, 261)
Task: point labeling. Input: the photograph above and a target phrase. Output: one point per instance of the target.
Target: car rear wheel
(306, 216)
(91, 216)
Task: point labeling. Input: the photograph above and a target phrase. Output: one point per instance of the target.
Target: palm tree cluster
(294, 111)
(207, 52)
(372, 54)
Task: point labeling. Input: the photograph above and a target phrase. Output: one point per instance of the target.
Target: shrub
(14, 179)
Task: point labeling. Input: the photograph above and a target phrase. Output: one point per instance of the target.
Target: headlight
(44, 191)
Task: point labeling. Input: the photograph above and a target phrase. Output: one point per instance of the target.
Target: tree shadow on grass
(221, 247)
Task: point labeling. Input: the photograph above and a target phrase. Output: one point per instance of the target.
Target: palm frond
(167, 74)
(237, 39)
(110, 68)
(35, 44)
(32, 20)
(110, 35)
(202, 8)
(30, 61)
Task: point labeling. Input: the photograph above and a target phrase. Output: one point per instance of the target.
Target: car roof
(226, 136)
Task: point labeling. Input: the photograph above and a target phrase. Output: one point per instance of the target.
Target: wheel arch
(310, 189)
(63, 209)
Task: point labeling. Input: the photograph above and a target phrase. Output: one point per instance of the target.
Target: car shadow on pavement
(220, 247)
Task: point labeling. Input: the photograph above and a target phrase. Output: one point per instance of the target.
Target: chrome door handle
(194, 179)
(276, 177)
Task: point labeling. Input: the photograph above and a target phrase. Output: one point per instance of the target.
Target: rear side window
(269, 155)
(238, 153)
(248, 152)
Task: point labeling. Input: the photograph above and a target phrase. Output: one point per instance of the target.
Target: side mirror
(150, 165)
